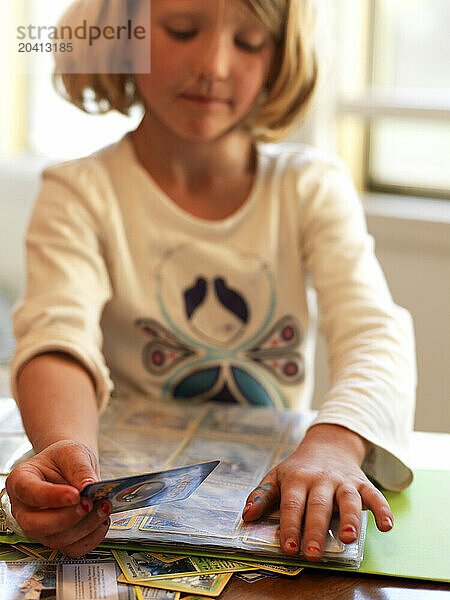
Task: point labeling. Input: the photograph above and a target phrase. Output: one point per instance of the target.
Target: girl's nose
(215, 64)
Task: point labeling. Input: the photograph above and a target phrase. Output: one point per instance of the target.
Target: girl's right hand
(46, 503)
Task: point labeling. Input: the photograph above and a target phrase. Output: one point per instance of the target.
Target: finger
(26, 484)
(262, 498)
(51, 521)
(318, 513)
(88, 543)
(349, 504)
(377, 503)
(80, 530)
(292, 507)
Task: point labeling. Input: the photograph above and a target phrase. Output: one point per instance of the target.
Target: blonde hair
(283, 102)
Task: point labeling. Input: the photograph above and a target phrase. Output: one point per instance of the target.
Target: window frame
(372, 104)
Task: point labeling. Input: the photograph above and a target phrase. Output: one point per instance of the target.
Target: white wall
(412, 243)
(19, 184)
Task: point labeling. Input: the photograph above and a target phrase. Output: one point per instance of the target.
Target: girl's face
(210, 60)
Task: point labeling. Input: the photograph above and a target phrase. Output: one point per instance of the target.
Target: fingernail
(247, 508)
(389, 522)
(313, 548)
(291, 544)
(83, 507)
(350, 529)
(87, 481)
(104, 509)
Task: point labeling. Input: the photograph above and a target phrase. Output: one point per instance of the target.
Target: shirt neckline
(183, 214)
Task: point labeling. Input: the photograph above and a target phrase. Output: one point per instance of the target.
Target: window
(34, 120)
(393, 126)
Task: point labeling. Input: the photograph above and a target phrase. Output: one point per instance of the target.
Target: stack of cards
(236, 445)
(177, 477)
(32, 572)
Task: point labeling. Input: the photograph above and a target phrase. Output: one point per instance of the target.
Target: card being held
(150, 489)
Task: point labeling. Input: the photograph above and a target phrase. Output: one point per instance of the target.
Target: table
(429, 451)
(321, 585)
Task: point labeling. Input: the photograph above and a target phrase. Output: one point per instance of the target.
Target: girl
(176, 263)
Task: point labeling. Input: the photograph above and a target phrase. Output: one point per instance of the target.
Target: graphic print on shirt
(217, 341)
(215, 312)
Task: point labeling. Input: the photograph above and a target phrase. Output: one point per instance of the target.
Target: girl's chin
(205, 135)
(205, 129)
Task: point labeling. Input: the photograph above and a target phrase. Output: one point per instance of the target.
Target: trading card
(180, 519)
(149, 489)
(35, 552)
(91, 581)
(262, 532)
(142, 566)
(202, 584)
(138, 567)
(148, 593)
(332, 541)
(49, 554)
(155, 415)
(123, 524)
(265, 533)
(125, 590)
(162, 524)
(252, 576)
(244, 422)
(290, 570)
(99, 556)
(241, 463)
(159, 445)
(208, 564)
(221, 497)
(127, 452)
(114, 461)
(32, 579)
(168, 558)
(11, 554)
(190, 597)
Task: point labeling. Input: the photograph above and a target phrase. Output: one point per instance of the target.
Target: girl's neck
(192, 165)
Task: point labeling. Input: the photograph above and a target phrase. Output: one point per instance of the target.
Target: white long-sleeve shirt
(153, 300)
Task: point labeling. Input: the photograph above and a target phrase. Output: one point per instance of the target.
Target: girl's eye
(249, 47)
(181, 35)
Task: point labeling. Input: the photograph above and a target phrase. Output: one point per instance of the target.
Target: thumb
(78, 464)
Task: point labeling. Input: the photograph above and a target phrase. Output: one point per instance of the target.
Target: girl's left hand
(324, 472)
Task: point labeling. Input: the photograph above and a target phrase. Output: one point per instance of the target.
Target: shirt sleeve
(67, 277)
(370, 340)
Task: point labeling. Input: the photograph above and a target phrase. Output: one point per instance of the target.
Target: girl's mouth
(204, 100)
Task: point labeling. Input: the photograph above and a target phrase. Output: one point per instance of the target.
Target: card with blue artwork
(149, 489)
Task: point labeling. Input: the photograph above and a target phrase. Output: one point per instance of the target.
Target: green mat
(419, 544)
